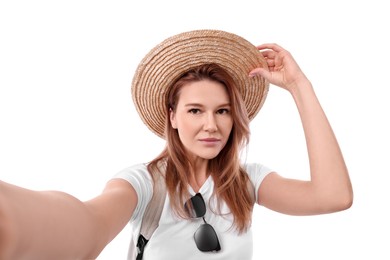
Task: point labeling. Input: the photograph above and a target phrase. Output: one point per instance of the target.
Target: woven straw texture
(170, 59)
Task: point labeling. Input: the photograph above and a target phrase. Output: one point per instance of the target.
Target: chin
(208, 156)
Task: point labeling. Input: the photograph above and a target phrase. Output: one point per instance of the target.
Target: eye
(223, 111)
(194, 111)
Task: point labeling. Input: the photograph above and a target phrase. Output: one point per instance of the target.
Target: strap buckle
(142, 241)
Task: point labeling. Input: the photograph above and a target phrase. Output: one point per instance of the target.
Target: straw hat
(170, 59)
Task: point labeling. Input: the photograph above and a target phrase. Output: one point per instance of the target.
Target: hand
(283, 69)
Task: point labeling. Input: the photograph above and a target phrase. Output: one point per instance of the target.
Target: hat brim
(170, 59)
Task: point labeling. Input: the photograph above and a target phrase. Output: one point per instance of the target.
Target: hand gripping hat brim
(173, 57)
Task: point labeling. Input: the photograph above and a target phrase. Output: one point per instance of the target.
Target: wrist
(300, 87)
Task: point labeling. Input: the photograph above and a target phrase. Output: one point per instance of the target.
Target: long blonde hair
(230, 179)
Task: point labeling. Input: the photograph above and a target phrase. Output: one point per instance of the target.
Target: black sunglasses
(205, 236)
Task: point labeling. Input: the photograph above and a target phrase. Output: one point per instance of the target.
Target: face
(202, 118)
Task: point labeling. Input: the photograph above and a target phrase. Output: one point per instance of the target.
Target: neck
(199, 174)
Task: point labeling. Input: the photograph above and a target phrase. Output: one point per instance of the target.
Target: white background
(67, 121)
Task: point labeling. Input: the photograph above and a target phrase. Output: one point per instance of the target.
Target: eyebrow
(200, 105)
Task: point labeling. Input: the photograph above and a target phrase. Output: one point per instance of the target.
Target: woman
(198, 90)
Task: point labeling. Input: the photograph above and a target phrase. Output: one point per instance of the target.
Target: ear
(172, 117)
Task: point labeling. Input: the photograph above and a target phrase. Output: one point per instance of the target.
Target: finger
(269, 54)
(270, 62)
(271, 46)
(260, 72)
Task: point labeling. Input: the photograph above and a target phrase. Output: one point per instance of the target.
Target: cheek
(186, 126)
(186, 121)
(227, 126)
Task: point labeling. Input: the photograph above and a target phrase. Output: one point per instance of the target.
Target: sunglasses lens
(206, 239)
(197, 208)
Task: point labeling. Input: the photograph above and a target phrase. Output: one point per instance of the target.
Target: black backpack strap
(151, 218)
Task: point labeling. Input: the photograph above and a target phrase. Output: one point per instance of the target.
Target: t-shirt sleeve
(257, 173)
(139, 177)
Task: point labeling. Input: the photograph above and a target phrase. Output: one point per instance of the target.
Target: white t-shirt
(174, 237)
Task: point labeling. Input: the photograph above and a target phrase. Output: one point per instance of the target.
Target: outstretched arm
(55, 225)
(329, 188)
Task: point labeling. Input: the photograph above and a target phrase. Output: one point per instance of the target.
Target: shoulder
(140, 179)
(256, 173)
(138, 171)
(138, 176)
(256, 169)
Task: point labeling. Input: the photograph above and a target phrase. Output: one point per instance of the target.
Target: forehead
(204, 91)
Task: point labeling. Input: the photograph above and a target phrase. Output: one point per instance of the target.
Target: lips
(211, 140)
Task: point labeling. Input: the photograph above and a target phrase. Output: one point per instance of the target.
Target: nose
(210, 123)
